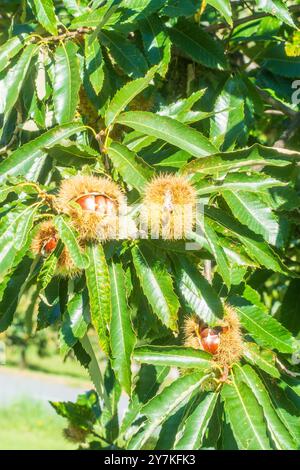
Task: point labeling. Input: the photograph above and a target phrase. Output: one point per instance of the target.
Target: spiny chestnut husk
(169, 207)
(94, 205)
(45, 242)
(223, 341)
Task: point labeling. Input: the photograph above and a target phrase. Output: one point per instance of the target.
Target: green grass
(32, 425)
(53, 364)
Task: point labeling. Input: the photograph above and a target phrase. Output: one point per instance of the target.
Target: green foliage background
(132, 88)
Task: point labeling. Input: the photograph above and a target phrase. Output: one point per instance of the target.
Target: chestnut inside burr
(97, 203)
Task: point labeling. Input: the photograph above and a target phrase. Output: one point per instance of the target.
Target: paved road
(15, 384)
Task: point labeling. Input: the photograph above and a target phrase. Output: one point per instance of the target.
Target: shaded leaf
(121, 333)
(98, 284)
(168, 129)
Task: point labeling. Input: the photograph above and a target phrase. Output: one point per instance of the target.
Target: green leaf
(245, 416)
(69, 238)
(198, 45)
(197, 292)
(191, 437)
(279, 63)
(218, 252)
(125, 53)
(173, 356)
(251, 210)
(148, 381)
(75, 322)
(276, 8)
(241, 160)
(157, 44)
(256, 248)
(46, 15)
(289, 312)
(165, 404)
(98, 284)
(265, 329)
(126, 94)
(157, 285)
(49, 267)
(256, 182)
(169, 130)
(21, 160)
(66, 83)
(280, 435)
(9, 49)
(228, 122)
(263, 358)
(15, 77)
(94, 63)
(24, 226)
(9, 237)
(224, 7)
(132, 168)
(122, 336)
(286, 410)
(12, 294)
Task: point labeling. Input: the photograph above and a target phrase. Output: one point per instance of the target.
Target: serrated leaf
(132, 168)
(21, 160)
(256, 182)
(191, 437)
(228, 122)
(166, 404)
(255, 248)
(173, 356)
(276, 8)
(218, 252)
(41, 80)
(15, 77)
(241, 160)
(157, 285)
(9, 237)
(169, 130)
(94, 63)
(46, 15)
(11, 295)
(280, 435)
(157, 44)
(126, 94)
(24, 226)
(75, 322)
(286, 410)
(9, 49)
(66, 83)
(245, 416)
(69, 238)
(264, 359)
(49, 267)
(251, 210)
(148, 381)
(197, 292)
(198, 45)
(265, 329)
(98, 284)
(122, 336)
(125, 53)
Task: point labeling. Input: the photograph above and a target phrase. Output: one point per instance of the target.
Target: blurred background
(32, 372)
